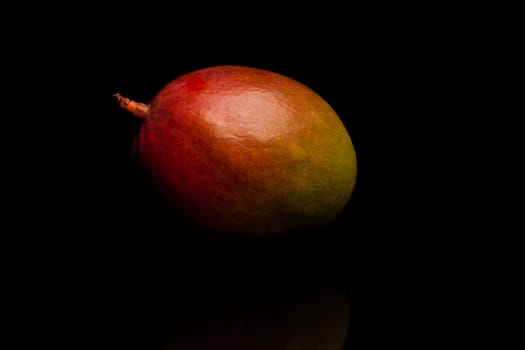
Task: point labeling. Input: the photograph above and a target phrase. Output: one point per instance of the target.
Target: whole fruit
(242, 151)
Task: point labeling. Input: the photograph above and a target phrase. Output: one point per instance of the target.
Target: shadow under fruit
(267, 317)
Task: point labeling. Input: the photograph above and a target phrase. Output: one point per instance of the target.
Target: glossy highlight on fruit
(246, 152)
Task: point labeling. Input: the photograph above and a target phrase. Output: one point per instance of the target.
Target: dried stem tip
(137, 109)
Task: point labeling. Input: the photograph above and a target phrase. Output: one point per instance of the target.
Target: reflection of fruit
(245, 151)
(268, 318)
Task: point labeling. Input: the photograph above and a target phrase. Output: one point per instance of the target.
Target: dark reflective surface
(118, 270)
(146, 291)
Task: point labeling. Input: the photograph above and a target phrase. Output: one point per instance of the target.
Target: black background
(107, 260)
(131, 253)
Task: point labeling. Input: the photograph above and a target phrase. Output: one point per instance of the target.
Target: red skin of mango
(247, 152)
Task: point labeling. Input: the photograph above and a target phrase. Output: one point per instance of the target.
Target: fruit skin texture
(246, 152)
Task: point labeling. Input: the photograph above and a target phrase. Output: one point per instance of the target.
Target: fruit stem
(137, 109)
